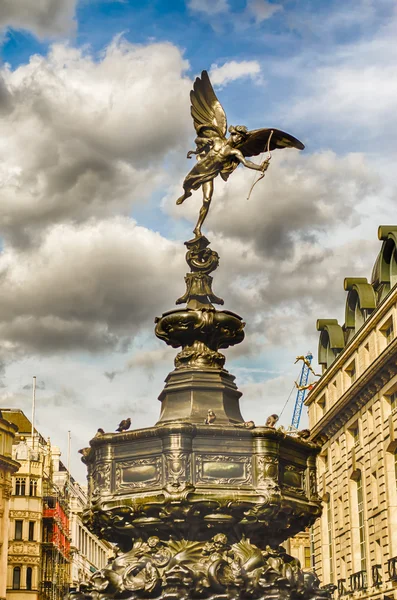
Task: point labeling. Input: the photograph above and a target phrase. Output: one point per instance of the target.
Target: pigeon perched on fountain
(211, 417)
(271, 421)
(124, 425)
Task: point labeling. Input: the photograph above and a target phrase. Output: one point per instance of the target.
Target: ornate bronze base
(217, 569)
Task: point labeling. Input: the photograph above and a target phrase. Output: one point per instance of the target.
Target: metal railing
(376, 575)
(358, 581)
(392, 568)
(342, 591)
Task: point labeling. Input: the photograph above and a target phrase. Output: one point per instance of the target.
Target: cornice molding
(388, 302)
(9, 464)
(359, 393)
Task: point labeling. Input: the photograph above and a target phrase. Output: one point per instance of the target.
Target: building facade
(48, 548)
(8, 466)
(38, 561)
(88, 553)
(353, 414)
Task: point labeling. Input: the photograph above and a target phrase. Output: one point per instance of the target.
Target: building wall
(7, 467)
(300, 547)
(88, 552)
(353, 414)
(26, 520)
(49, 549)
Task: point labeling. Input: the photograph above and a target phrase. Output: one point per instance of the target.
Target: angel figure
(218, 155)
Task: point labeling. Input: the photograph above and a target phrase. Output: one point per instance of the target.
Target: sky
(95, 126)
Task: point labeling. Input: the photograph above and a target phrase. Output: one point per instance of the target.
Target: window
(312, 546)
(354, 431)
(324, 457)
(340, 512)
(366, 355)
(33, 487)
(337, 451)
(20, 486)
(31, 531)
(395, 465)
(330, 547)
(388, 330)
(29, 578)
(307, 557)
(322, 404)
(16, 578)
(361, 525)
(18, 530)
(389, 333)
(351, 371)
(393, 401)
(374, 489)
(370, 421)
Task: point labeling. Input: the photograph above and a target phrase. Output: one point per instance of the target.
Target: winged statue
(217, 154)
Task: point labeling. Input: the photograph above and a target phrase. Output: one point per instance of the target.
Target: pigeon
(271, 421)
(84, 451)
(246, 425)
(304, 434)
(211, 416)
(99, 432)
(124, 425)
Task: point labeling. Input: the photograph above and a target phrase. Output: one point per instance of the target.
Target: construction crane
(302, 388)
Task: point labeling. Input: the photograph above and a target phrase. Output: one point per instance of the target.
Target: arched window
(16, 578)
(20, 486)
(29, 578)
(33, 487)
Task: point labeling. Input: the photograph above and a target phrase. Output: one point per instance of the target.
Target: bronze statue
(218, 155)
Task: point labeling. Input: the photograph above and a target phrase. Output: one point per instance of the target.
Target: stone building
(353, 413)
(35, 518)
(8, 466)
(44, 544)
(88, 553)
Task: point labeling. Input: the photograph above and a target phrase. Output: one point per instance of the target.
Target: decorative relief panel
(101, 477)
(313, 492)
(17, 548)
(29, 560)
(293, 478)
(266, 468)
(138, 473)
(24, 514)
(223, 469)
(177, 466)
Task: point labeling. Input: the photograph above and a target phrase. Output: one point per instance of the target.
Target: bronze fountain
(199, 504)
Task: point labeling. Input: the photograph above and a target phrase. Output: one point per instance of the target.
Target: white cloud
(351, 91)
(83, 137)
(233, 70)
(89, 287)
(261, 10)
(44, 18)
(208, 7)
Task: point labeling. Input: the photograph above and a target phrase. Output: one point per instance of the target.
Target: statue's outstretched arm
(202, 145)
(248, 163)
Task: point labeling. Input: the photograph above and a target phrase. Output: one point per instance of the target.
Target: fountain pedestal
(199, 504)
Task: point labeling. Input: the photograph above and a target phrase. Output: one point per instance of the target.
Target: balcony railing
(358, 581)
(392, 568)
(342, 591)
(376, 575)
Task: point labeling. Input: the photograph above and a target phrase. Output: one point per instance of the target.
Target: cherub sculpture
(218, 155)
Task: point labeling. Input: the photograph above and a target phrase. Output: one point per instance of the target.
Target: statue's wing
(208, 115)
(257, 141)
